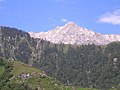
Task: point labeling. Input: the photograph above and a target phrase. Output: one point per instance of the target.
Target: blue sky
(101, 16)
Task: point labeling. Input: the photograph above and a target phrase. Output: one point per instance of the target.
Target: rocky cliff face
(71, 33)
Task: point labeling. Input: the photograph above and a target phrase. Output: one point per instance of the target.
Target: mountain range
(71, 33)
(84, 66)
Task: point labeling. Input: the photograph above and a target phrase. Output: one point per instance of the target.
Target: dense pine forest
(91, 66)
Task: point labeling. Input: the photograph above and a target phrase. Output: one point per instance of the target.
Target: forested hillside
(19, 76)
(89, 66)
(85, 65)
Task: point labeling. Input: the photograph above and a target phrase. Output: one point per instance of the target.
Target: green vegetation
(12, 78)
(21, 67)
(88, 66)
(15, 77)
(85, 66)
(1, 69)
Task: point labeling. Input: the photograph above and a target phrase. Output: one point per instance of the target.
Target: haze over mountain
(71, 33)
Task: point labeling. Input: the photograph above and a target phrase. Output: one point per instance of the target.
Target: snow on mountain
(71, 33)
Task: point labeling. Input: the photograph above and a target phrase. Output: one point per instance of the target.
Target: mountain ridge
(87, 66)
(71, 33)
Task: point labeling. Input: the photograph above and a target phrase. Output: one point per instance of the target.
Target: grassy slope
(46, 82)
(35, 81)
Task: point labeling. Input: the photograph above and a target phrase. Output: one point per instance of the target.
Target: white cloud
(112, 17)
(64, 20)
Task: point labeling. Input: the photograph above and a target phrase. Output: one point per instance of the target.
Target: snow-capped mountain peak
(71, 33)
